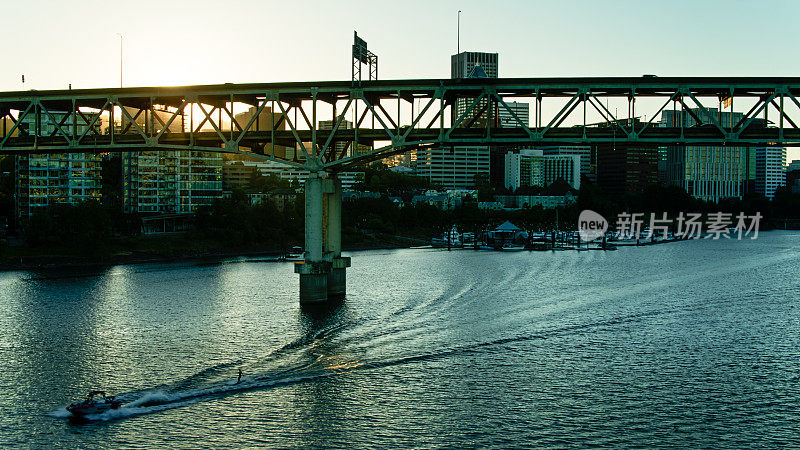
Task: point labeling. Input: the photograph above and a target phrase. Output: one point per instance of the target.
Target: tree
(485, 189)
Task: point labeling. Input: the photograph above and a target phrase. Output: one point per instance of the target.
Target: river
(684, 344)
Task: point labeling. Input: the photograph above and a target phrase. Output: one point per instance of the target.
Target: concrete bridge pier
(337, 278)
(322, 274)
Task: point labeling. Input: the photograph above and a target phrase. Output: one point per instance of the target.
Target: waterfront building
(529, 201)
(582, 151)
(6, 124)
(445, 200)
(524, 168)
(531, 167)
(454, 168)
(707, 173)
(238, 170)
(770, 173)
(266, 121)
(626, 170)
(176, 181)
(48, 179)
(562, 167)
(237, 174)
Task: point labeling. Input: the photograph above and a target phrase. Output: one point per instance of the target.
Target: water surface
(692, 343)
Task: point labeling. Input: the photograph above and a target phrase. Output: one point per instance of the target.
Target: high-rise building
(473, 65)
(581, 151)
(793, 176)
(770, 170)
(453, 169)
(462, 64)
(268, 120)
(176, 181)
(530, 167)
(625, 170)
(48, 179)
(342, 148)
(521, 109)
(707, 173)
(457, 168)
(562, 167)
(524, 168)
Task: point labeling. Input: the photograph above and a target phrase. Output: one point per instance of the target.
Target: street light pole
(458, 38)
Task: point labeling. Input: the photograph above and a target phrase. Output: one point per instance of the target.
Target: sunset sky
(203, 42)
(198, 42)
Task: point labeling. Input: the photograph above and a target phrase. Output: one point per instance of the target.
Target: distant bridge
(390, 117)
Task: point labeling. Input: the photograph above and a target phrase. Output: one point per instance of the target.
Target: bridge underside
(326, 127)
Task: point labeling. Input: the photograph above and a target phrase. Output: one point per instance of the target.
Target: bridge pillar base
(313, 280)
(337, 278)
(323, 273)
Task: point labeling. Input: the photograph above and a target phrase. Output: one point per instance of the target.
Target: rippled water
(692, 343)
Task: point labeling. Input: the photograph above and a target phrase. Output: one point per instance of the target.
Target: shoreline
(34, 261)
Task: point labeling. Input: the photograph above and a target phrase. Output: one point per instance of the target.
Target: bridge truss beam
(394, 116)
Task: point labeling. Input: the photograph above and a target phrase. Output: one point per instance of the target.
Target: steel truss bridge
(390, 117)
(394, 116)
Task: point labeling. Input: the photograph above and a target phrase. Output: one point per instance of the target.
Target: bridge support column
(322, 274)
(337, 279)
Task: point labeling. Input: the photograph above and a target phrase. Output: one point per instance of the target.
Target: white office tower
(770, 170)
(524, 169)
(531, 167)
(581, 151)
(453, 169)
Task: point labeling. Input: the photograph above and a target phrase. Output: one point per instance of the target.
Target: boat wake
(178, 395)
(312, 357)
(151, 401)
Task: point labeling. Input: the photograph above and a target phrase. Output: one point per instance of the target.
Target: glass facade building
(47, 179)
(707, 173)
(170, 181)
